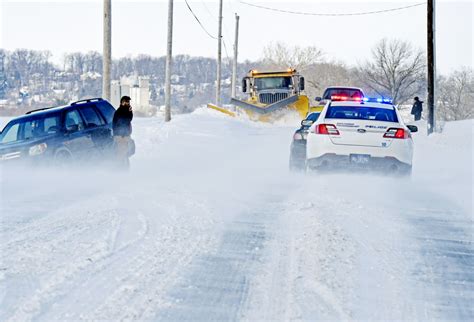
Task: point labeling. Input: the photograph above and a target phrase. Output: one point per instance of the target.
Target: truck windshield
(272, 82)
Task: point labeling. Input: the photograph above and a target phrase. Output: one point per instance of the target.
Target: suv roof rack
(40, 109)
(88, 100)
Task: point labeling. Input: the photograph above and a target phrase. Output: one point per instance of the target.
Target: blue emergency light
(378, 100)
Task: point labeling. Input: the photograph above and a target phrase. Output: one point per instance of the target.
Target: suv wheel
(62, 156)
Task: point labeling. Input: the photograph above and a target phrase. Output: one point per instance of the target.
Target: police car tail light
(396, 133)
(327, 129)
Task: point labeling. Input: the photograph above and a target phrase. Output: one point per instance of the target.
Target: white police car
(359, 134)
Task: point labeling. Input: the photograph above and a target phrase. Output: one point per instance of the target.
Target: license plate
(360, 158)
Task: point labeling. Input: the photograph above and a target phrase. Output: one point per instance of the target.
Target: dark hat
(416, 98)
(125, 98)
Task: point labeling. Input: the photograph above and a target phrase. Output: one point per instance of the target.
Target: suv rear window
(107, 111)
(91, 116)
(361, 113)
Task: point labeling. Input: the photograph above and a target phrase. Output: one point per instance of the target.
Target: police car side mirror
(307, 122)
(412, 128)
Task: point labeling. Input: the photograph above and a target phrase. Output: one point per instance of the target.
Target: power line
(208, 11)
(231, 6)
(226, 31)
(203, 28)
(225, 48)
(214, 18)
(331, 14)
(197, 19)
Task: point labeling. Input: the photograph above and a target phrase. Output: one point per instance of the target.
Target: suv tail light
(327, 129)
(396, 133)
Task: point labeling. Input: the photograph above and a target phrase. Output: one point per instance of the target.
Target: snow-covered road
(210, 225)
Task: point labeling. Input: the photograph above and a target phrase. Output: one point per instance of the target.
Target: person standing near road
(417, 108)
(122, 130)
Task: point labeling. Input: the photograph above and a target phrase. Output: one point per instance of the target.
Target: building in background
(138, 88)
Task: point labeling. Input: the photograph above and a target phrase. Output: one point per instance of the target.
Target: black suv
(80, 130)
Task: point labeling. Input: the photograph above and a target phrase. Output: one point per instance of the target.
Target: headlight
(38, 149)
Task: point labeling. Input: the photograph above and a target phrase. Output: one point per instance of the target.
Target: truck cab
(270, 87)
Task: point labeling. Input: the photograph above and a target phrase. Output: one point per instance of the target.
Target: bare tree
(24, 63)
(397, 70)
(320, 76)
(456, 95)
(280, 55)
(3, 76)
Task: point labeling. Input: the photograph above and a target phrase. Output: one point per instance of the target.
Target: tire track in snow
(216, 287)
(447, 263)
(129, 283)
(293, 283)
(52, 250)
(90, 281)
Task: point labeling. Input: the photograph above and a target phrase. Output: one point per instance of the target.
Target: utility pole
(169, 51)
(219, 56)
(107, 50)
(234, 63)
(431, 66)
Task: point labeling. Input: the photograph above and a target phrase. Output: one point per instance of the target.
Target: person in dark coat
(417, 108)
(122, 130)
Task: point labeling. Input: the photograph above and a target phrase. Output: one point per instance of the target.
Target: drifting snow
(210, 225)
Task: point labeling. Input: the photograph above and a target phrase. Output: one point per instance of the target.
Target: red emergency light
(336, 98)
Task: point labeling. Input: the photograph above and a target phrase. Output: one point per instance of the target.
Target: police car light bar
(378, 100)
(336, 98)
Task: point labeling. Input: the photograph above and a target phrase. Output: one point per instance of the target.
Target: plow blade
(267, 109)
(220, 109)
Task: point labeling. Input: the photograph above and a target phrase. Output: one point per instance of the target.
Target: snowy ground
(210, 225)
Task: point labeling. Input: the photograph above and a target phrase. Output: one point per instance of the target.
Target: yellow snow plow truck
(271, 95)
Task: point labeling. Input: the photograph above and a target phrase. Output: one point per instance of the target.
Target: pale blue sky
(140, 27)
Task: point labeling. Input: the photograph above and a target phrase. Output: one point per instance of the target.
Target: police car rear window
(362, 113)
